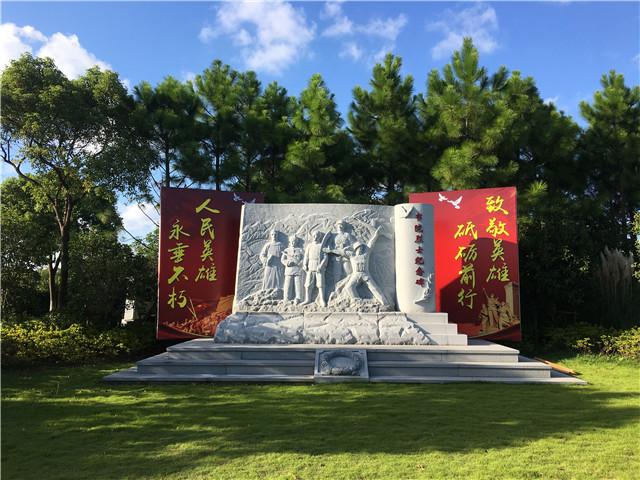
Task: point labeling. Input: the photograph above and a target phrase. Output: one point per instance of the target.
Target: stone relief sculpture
(359, 261)
(341, 243)
(292, 260)
(270, 258)
(311, 273)
(338, 281)
(315, 263)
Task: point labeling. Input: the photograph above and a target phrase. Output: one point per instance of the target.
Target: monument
(352, 275)
(338, 292)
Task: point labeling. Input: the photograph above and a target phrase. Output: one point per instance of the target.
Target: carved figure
(492, 306)
(338, 263)
(484, 319)
(315, 263)
(503, 320)
(359, 260)
(292, 260)
(270, 258)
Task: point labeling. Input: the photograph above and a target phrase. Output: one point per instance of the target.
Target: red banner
(199, 234)
(476, 248)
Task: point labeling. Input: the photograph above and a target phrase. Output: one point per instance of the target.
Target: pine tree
(465, 119)
(384, 125)
(609, 150)
(167, 115)
(216, 87)
(311, 158)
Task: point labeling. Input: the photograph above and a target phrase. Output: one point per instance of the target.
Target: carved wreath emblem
(340, 362)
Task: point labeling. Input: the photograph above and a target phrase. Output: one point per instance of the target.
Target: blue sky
(565, 46)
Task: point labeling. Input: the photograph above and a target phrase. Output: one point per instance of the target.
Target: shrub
(626, 344)
(586, 338)
(582, 336)
(44, 343)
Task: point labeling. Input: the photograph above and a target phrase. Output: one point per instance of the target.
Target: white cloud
(388, 29)
(187, 76)
(13, 42)
(341, 24)
(70, 57)
(135, 219)
(271, 35)
(479, 22)
(375, 30)
(351, 50)
(549, 101)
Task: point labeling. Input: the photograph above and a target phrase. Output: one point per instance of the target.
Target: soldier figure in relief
(292, 260)
(314, 263)
(359, 260)
(270, 258)
(338, 262)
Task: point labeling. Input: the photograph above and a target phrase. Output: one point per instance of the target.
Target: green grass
(64, 423)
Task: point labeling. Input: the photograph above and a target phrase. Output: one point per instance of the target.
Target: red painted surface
(476, 248)
(199, 234)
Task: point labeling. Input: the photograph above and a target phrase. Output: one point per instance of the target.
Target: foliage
(27, 243)
(587, 338)
(384, 125)
(216, 87)
(626, 344)
(30, 243)
(76, 138)
(101, 273)
(465, 118)
(635, 232)
(311, 159)
(166, 120)
(613, 279)
(39, 342)
(609, 151)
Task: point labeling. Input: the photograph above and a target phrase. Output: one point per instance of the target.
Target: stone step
(202, 360)
(476, 351)
(458, 369)
(564, 379)
(440, 328)
(444, 339)
(133, 375)
(161, 365)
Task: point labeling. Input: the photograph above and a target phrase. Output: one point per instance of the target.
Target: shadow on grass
(130, 429)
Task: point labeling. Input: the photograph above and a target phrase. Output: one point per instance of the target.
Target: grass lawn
(64, 423)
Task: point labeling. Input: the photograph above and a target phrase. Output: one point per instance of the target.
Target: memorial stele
(334, 274)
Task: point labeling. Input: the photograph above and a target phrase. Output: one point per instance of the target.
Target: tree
(167, 122)
(28, 242)
(101, 276)
(74, 135)
(465, 119)
(251, 134)
(609, 152)
(217, 89)
(384, 125)
(310, 166)
(278, 110)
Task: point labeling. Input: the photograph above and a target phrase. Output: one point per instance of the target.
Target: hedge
(41, 343)
(593, 339)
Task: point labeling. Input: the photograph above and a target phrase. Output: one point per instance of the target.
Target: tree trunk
(217, 172)
(63, 287)
(167, 166)
(64, 223)
(52, 270)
